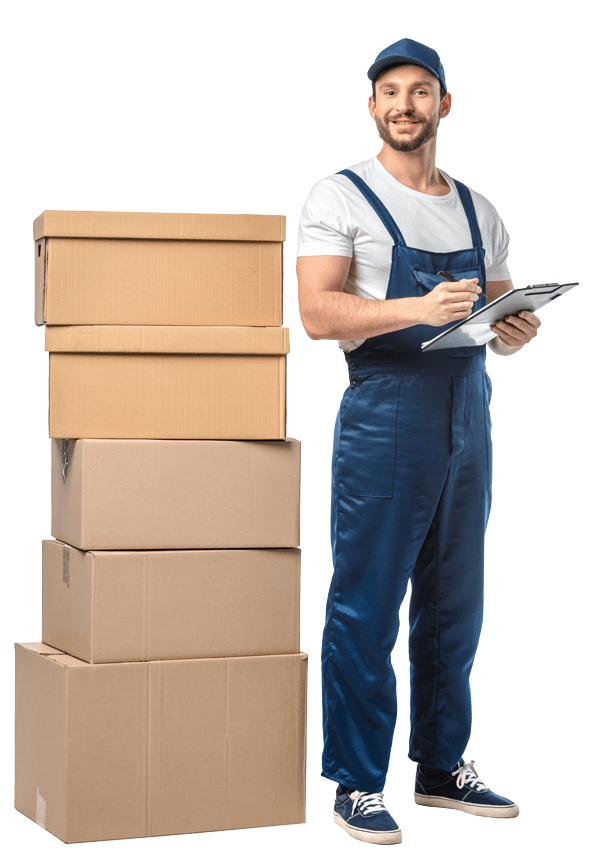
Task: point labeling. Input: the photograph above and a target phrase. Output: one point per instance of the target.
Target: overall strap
(467, 201)
(388, 222)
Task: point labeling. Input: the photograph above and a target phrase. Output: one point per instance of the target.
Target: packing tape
(65, 457)
(40, 809)
(66, 565)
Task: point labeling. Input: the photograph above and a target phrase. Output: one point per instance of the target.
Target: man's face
(408, 108)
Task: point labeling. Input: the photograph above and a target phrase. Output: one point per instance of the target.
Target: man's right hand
(449, 302)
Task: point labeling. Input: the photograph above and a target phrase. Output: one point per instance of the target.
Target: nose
(403, 103)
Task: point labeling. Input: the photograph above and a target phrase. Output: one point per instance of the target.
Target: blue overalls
(410, 499)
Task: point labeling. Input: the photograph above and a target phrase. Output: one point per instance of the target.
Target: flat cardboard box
(167, 382)
(144, 268)
(153, 494)
(139, 606)
(133, 749)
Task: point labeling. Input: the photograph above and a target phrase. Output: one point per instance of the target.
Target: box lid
(159, 225)
(168, 339)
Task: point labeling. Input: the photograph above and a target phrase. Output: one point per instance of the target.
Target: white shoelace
(368, 803)
(467, 774)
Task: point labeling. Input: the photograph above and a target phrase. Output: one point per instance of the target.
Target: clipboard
(475, 329)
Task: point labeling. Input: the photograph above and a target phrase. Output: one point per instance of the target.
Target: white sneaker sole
(393, 837)
(469, 807)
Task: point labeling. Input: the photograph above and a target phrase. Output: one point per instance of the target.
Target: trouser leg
(359, 686)
(375, 543)
(446, 609)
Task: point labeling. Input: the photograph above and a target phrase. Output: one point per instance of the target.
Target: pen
(451, 278)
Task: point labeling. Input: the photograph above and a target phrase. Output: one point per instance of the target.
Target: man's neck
(416, 169)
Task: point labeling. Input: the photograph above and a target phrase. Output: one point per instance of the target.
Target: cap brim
(389, 62)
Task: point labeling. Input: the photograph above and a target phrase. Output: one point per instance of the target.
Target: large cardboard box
(167, 382)
(130, 606)
(143, 268)
(156, 748)
(153, 494)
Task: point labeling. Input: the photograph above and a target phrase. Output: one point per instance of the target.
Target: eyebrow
(393, 84)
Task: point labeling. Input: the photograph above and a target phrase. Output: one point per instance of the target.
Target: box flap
(159, 225)
(168, 339)
(55, 655)
(40, 647)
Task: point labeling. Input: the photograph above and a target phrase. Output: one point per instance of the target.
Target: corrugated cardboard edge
(40, 267)
(159, 225)
(168, 339)
(32, 765)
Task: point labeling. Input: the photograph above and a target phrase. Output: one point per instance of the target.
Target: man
(412, 456)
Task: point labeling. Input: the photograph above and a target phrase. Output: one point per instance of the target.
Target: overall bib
(410, 500)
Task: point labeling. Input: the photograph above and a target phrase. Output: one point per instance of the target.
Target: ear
(445, 105)
(372, 106)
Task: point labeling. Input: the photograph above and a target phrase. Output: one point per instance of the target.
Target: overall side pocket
(367, 439)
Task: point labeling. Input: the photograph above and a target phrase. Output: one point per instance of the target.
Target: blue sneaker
(461, 789)
(364, 816)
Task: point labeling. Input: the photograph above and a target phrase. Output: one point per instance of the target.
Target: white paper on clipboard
(475, 330)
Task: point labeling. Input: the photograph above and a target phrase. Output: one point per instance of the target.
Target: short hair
(442, 90)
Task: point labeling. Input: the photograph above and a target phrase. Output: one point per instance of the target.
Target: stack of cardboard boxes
(169, 693)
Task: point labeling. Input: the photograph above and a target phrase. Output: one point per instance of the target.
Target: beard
(425, 133)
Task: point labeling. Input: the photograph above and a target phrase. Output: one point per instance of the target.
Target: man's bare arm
(329, 313)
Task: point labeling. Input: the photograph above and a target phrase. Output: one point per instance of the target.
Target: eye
(424, 91)
(388, 91)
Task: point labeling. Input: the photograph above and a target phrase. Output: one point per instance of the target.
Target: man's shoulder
(483, 205)
(335, 200)
(338, 182)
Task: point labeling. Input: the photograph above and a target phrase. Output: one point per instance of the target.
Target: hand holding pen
(450, 301)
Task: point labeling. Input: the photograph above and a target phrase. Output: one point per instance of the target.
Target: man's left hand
(513, 332)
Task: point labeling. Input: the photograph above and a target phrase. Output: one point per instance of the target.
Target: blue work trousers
(411, 496)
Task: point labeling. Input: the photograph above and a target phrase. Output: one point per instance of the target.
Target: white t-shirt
(337, 220)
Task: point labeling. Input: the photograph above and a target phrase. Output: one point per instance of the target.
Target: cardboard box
(143, 268)
(150, 494)
(167, 382)
(129, 606)
(156, 748)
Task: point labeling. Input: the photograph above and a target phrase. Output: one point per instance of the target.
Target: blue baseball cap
(408, 51)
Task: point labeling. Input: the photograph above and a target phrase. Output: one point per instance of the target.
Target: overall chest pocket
(425, 281)
(366, 454)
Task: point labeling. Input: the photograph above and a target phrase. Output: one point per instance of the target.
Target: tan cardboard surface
(144, 268)
(154, 494)
(154, 748)
(128, 606)
(159, 225)
(168, 339)
(196, 382)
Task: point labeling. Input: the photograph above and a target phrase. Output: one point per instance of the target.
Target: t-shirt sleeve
(498, 267)
(325, 228)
